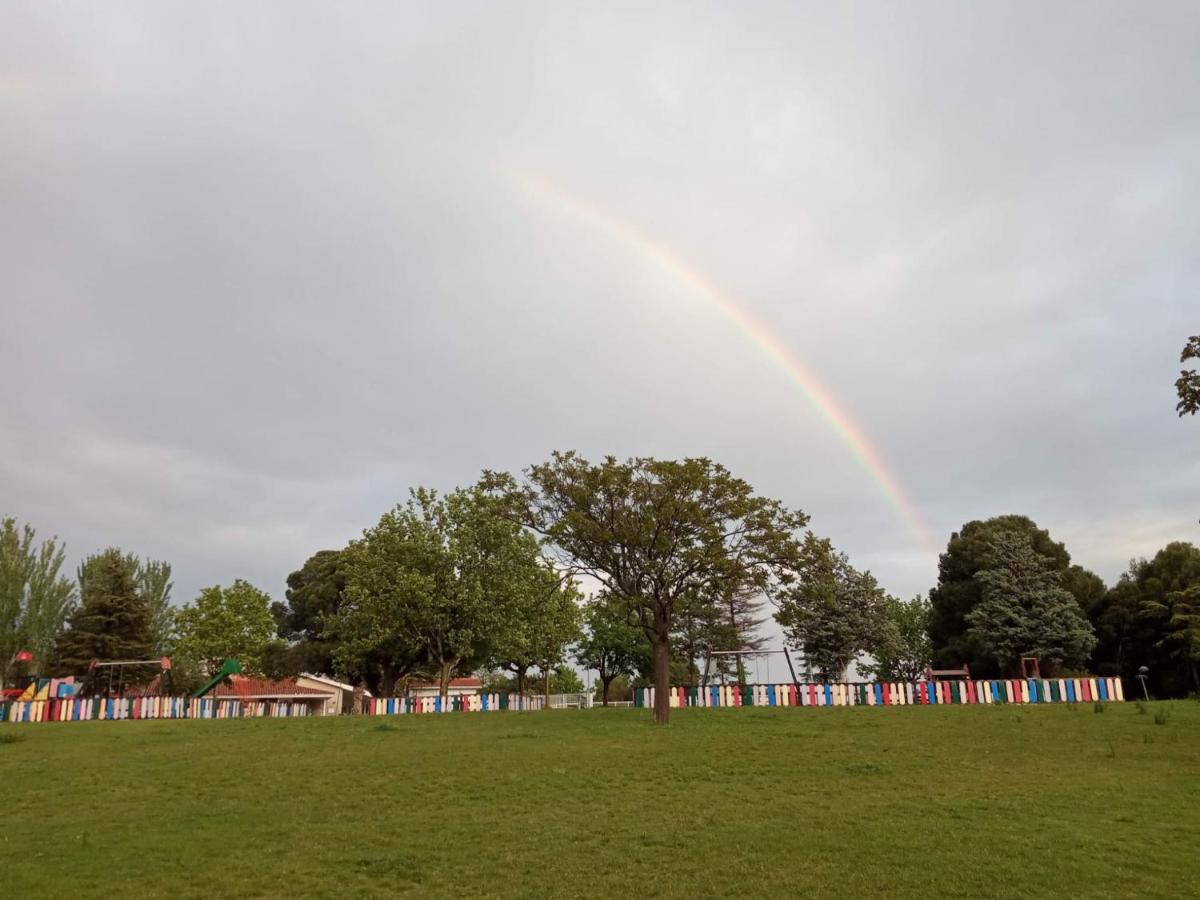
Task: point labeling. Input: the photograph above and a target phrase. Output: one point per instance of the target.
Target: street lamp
(1142, 670)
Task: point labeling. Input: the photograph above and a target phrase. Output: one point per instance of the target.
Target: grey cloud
(265, 269)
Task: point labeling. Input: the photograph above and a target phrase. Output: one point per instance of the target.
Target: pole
(791, 668)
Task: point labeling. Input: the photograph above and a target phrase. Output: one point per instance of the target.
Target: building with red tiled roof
(241, 687)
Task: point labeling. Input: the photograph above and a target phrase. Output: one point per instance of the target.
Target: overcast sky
(266, 266)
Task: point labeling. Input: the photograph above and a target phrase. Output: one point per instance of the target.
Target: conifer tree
(113, 620)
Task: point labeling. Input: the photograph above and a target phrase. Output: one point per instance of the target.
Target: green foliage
(902, 652)
(1177, 618)
(153, 579)
(610, 644)
(655, 533)
(35, 599)
(722, 618)
(958, 591)
(620, 689)
(565, 680)
(314, 596)
(1188, 384)
(113, 620)
(227, 623)
(1162, 716)
(448, 583)
(1136, 622)
(535, 617)
(1025, 611)
(833, 612)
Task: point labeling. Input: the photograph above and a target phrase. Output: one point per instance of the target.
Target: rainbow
(837, 417)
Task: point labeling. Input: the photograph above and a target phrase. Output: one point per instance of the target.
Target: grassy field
(913, 802)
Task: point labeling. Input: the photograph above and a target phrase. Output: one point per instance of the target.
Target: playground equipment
(229, 667)
(748, 652)
(118, 668)
(21, 681)
(963, 674)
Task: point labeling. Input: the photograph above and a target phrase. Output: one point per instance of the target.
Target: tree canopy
(610, 644)
(314, 595)
(832, 612)
(958, 591)
(903, 652)
(654, 533)
(35, 599)
(446, 582)
(1187, 386)
(1134, 621)
(112, 621)
(227, 623)
(1025, 611)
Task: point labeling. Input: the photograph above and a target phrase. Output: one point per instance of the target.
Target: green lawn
(914, 802)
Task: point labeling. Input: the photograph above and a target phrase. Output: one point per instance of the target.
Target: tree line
(682, 562)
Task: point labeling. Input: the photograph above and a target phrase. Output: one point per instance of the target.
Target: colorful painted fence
(393, 706)
(119, 708)
(90, 709)
(921, 693)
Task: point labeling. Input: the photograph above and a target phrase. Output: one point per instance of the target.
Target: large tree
(35, 599)
(1178, 618)
(1134, 621)
(226, 623)
(904, 652)
(1025, 611)
(535, 619)
(1188, 384)
(432, 583)
(113, 620)
(833, 612)
(610, 644)
(958, 591)
(314, 595)
(153, 578)
(654, 533)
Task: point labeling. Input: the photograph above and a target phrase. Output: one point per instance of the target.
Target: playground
(984, 800)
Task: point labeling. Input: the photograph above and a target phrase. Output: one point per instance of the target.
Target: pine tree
(1025, 611)
(113, 620)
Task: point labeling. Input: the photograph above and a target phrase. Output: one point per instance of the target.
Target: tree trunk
(387, 681)
(521, 670)
(606, 682)
(547, 688)
(444, 680)
(662, 678)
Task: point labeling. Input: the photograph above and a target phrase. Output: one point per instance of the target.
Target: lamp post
(1142, 670)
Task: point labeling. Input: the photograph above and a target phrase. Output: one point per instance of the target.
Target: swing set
(740, 653)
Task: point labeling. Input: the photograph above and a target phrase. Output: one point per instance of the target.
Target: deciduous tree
(610, 644)
(35, 599)
(1133, 622)
(904, 651)
(654, 532)
(1187, 386)
(432, 583)
(832, 612)
(227, 623)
